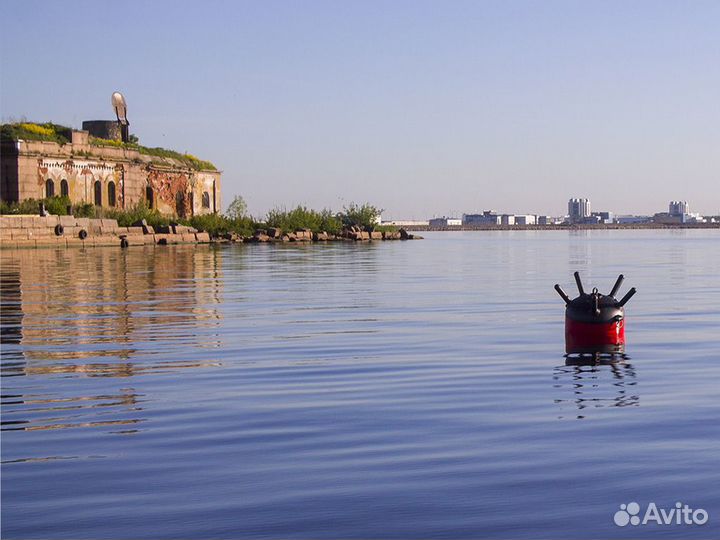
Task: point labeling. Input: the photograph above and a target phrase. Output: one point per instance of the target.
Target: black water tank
(103, 129)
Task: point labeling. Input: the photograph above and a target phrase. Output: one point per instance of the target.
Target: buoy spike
(562, 294)
(627, 297)
(616, 287)
(579, 283)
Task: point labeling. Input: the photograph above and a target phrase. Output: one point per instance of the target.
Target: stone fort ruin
(95, 166)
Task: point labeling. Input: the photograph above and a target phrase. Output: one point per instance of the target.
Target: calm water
(392, 390)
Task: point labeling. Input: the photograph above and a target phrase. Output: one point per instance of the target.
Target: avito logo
(681, 514)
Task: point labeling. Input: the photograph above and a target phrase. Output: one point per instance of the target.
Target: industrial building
(578, 210)
(445, 222)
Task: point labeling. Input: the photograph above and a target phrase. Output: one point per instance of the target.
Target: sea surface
(389, 390)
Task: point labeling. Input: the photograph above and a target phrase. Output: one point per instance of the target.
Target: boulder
(321, 236)
(260, 238)
(404, 235)
(274, 232)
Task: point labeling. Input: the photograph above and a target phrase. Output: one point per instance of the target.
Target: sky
(420, 108)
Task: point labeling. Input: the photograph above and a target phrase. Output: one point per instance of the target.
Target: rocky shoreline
(30, 231)
(354, 234)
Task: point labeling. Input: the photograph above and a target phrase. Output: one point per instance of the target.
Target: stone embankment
(68, 231)
(354, 234)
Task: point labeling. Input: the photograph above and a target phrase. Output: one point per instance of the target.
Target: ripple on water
(390, 390)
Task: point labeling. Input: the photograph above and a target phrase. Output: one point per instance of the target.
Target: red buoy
(595, 322)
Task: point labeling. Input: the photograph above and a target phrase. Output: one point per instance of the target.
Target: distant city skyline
(579, 212)
(421, 108)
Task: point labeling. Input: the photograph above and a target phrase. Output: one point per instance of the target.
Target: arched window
(111, 193)
(180, 204)
(149, 197)
(49, 188)
(64, 191)
(205, 199)
(98, 193)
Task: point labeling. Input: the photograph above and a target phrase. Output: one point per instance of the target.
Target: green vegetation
(237, 208)
(218, 225)
(140, 211)
(54, 205)
(301, 217)
(188, 160)
(304, 218)
(365, 216)
(235, 220)
(32, 131)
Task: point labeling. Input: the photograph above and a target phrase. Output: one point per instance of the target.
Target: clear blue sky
(422, 108)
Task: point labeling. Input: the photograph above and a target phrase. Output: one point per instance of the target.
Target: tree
(237, 208)
(362, 216)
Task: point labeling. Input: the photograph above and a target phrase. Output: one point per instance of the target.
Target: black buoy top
(594, 306)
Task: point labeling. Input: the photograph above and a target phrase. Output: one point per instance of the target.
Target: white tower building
(678, 208)
(578, 209)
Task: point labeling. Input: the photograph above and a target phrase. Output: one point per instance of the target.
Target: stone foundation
(66, 231)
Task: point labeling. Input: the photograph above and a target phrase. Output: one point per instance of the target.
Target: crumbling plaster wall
(176, 191)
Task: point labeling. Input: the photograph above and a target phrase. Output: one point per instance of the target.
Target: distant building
(549, 220)
(578, 210)
(486, 218)
(526, 219)
(627, 220)
(507, 219)
(678, 212)
(407, 223)
(678, 208)
(667, 218)
(445, 222)
(604, 217)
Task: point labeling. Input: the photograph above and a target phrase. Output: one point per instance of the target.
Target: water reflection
(585, 385)
(97, 314)
(57, 303)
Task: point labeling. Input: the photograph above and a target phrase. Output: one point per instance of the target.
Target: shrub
(361, 216)
(32, 131)
(330, 222)
(54, 205)
(37, 129)
(139, 211)
(217, 224)
(299, 218)
(84, 210)
(237, 208)
(57, 205)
